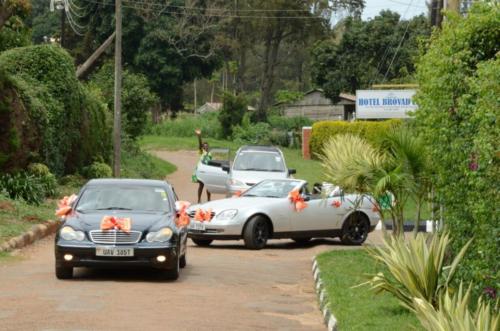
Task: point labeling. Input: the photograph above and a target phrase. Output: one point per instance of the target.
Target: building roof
(343, 96)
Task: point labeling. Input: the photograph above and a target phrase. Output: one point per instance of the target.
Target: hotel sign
(372, 104)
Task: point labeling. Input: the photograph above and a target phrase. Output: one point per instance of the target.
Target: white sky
(406, 8)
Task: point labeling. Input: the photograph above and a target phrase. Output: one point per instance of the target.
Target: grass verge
(137, 163)
(360, 308)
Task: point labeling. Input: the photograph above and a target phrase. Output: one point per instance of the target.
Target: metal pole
(118, 89)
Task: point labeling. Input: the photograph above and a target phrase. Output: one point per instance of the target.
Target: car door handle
(201, 172)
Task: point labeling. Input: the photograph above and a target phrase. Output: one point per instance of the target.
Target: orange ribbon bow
(336, 203)
(64, 208)
(237, 194)
(182, 215)
(203, 215)
(297, 200)
(111, 222)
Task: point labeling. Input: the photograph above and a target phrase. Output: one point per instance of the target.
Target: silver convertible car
(266, 211)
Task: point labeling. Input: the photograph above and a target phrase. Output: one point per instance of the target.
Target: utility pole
(118, 90)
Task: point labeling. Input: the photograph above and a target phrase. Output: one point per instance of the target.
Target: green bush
(38, 169)
(98, 170)
(258, 133)
(23, 185)
(137, 98)
(458, 115)
(371, 131)
(73, 180)
(47, 180)
(294, 123)
(50, 117)
(185, 124)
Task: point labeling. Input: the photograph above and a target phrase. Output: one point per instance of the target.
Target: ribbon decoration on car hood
(116, 223)
(182, 215)
(297, 200)
(203, 215)
(64, 207)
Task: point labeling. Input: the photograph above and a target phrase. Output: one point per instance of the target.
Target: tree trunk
(417, 221)
(6, 12)
(272, 44)
(242, 67)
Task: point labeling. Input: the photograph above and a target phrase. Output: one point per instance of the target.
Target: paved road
(223, 287)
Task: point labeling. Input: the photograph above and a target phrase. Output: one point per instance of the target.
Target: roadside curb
(35, 233)
(324, 305)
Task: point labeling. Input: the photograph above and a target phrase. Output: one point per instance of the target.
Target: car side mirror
(225, 168)
(292, 171)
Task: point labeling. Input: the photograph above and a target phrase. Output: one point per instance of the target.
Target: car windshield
(259, 161)
(272, 188)
(107, 197)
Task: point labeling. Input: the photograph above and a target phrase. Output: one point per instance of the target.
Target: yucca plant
(416, 267)
(453, 313)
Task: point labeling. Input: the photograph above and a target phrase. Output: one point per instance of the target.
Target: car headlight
(236, 182)
(68, 233)
(227, 214)
(160, 236)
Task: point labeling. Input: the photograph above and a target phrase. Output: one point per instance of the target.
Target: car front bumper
(145, 255)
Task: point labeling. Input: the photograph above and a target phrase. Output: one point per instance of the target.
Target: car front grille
(114, 237)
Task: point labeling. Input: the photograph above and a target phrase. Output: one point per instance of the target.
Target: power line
(386, 52)
(399, 46)
(407, 4)
(204, 14)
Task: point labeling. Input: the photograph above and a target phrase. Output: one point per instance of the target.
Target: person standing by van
(205, 158)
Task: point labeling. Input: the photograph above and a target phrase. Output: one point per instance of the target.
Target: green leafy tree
(365, 52)
(458, 116)
(232, 113)
(137, 98)
(13, 30)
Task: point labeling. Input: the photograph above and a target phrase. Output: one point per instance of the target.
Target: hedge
(49, 116)
(322, 131)
(458, 118)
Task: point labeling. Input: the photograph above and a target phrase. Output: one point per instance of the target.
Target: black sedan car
(122, 223)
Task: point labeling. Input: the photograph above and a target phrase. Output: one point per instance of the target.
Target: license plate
(114, 251)
(197, 226)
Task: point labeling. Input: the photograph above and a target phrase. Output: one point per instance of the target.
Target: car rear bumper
(85, 256)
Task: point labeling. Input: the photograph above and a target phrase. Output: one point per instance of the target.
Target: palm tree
(395, 168)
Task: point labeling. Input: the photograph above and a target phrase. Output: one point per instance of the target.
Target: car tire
(64, 272)
(302, 241)
(173, 274)
(183, 261)
(256, 233)
(202, 242)
(355, 229)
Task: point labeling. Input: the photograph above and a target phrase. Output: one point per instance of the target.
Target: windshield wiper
(272, 196)
(249, 195)
(114, 208)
